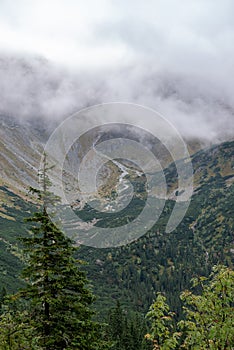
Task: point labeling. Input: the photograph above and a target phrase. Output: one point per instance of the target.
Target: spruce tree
(60, 313)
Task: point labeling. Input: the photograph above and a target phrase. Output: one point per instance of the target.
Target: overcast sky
(174, 55)
(108, 32)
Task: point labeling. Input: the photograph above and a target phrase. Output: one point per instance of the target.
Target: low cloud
(33, 88)
(172, 55)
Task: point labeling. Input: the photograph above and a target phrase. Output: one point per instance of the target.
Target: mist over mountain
(33, 88)
(117, 131)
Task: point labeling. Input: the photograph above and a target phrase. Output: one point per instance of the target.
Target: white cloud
(60, 30)
(104, 32)
(174, 55)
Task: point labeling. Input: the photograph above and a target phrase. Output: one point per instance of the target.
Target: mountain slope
(20, 153)
(157, 261)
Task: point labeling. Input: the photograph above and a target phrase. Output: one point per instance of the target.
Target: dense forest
(163, 291)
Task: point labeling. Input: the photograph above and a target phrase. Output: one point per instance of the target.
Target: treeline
(55, 308)
(208, 321)
(166, 262)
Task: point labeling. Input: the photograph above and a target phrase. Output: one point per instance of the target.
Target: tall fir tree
(60, 313)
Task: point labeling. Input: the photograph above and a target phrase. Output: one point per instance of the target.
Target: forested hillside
(158, 261)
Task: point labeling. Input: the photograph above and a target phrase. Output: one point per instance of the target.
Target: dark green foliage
(57, 301)
(3, 294)
(126, 330)
(56, 290)
(15, 333)
(167, 262)
(12, 227)
(157, 262)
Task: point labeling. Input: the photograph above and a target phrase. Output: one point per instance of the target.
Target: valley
(157, 261)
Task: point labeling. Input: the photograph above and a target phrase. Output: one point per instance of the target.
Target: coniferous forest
(54, 305)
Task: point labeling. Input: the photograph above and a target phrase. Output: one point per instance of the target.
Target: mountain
(21, 149)
(166, 262)
(158, 261)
